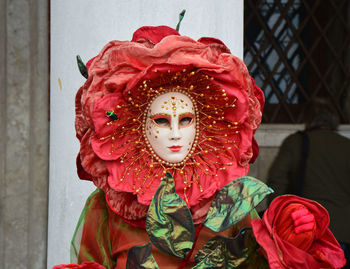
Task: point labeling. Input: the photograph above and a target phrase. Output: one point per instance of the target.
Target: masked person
(166, 126)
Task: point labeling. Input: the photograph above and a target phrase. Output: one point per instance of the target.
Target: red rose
(294, 234)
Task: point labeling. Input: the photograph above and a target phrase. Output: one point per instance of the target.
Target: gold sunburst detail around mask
(214, 135)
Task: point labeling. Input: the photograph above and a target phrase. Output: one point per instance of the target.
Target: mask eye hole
(186, 120)
(161, 121)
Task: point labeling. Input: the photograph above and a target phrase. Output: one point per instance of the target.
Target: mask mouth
(175, 148)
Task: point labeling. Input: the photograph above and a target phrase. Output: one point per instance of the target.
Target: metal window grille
(297, 50)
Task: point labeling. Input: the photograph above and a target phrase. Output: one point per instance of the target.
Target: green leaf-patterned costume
(171, 235)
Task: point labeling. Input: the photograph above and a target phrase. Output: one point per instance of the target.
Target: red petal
(153, 33)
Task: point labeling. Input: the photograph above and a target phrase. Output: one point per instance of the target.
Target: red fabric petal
(88, 64)
(82, 174)
(211, 40)
(261, 98)
(153, 33)
(255, 148)
(259, 94)
(125, 205)
(81, 126)
(214, 43)
(263, 237)
(92, 164)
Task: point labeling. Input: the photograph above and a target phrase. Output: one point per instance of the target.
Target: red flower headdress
(112, 105)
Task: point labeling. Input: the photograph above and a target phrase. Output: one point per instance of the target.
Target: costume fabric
(105, 238)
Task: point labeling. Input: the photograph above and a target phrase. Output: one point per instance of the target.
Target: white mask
(171, 126)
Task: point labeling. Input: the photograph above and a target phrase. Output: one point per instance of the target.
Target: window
(297, 50)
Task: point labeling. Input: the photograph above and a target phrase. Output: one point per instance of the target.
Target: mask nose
(175, 132)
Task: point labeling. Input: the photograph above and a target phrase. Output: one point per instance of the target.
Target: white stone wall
(83, 27)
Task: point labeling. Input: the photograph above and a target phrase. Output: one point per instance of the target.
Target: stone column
(24, 133)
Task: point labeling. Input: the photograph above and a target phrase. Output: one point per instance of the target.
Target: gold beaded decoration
(214, 135)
